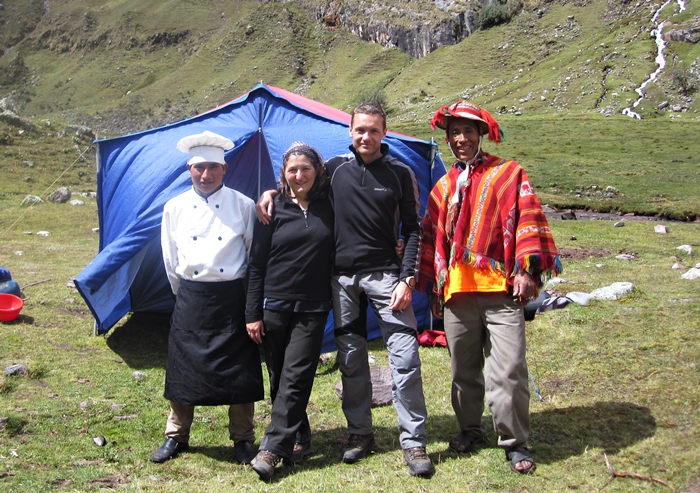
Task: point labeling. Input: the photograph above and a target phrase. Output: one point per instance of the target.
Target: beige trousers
(240, 422)
(485, 335)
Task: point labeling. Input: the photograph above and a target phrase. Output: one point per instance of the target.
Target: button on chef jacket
(207, 239)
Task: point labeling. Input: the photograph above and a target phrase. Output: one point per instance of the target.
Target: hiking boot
(264, 464)
(418, 462)
(358, 447)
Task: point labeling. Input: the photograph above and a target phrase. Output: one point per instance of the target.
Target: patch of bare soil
(578, 253)
(693, 487)
(112, 482)
(60, 483)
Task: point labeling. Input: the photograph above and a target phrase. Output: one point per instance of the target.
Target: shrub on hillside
(684, 80)
(498, 12)
(375, 95)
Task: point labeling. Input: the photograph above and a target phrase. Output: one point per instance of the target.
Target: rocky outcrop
(417, 30)
(418, 40)
(682, 35)
(8, 116)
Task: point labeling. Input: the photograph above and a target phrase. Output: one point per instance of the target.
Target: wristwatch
(410, 280)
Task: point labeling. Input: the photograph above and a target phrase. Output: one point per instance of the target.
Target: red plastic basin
(10, 306)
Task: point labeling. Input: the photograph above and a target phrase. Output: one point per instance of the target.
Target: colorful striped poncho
(494, 222)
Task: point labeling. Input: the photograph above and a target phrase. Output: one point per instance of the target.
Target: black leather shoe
(168, 450)
(243, 451)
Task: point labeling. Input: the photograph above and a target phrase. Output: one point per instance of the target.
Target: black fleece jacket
(291, 258)
(374, 205)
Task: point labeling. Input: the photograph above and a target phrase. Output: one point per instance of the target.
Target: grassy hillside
(120, 66)
(557, 76)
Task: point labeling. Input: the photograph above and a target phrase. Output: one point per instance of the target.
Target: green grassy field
(618, 378)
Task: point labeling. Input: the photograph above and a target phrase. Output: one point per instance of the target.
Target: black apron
(211, 359)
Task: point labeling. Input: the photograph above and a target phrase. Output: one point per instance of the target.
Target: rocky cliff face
(418, 40)
(416, 28)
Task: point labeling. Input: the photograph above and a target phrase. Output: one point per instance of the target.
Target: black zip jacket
(291, 258)
(374, 205)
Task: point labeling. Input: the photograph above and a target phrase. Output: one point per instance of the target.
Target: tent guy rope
(80, 156)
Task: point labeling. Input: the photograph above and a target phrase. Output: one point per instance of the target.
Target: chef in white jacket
(205, 236)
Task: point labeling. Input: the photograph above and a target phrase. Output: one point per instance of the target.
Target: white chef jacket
(207, 239)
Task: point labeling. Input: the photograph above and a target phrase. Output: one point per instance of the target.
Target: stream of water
(657, 33)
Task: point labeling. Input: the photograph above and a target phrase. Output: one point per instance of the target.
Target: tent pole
(259, 147)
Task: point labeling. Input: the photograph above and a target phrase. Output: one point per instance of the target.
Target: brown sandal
(516, 456)
(464, 443)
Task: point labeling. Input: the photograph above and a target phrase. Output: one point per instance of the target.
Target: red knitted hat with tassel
(465, 109)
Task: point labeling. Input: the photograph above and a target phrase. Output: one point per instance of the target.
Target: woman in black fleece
(288, 300)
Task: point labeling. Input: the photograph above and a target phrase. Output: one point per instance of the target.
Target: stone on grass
(3, 422)
(613, 292)
(100, 441)
(693, 273)
(18, 370)
(660, 228)
(76, 202)
(59, 196)
(677, 266)
(138, 375)
(685, 248)
(553, 282)
(43, 233)
(84, 405)
(381, 386)
(326, 358)
(619, 224)
(32, 200)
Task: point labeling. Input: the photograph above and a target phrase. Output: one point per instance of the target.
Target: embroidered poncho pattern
(490, 220)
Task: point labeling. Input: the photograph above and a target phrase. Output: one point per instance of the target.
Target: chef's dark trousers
(292, 346)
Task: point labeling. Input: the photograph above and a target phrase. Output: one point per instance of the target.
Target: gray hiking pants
(351, 297)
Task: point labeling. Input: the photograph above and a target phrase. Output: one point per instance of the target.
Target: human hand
(256, 331)
(265, 206)
(524, 286)
(436, 307)
(401, 297)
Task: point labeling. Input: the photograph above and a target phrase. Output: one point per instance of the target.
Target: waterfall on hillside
(657, 32)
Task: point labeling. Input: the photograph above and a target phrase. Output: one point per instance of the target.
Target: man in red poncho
(486, 247)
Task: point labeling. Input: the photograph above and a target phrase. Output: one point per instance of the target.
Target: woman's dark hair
(320, 187)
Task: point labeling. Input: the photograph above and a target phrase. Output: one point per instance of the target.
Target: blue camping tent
(138, 173)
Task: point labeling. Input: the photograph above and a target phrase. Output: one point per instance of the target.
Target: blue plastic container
(10, 286)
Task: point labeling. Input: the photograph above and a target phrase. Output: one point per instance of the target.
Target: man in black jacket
(375, 199)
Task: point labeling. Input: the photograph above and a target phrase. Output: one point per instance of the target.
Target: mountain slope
(123, 66)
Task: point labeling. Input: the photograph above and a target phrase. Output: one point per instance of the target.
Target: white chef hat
(206, 147)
